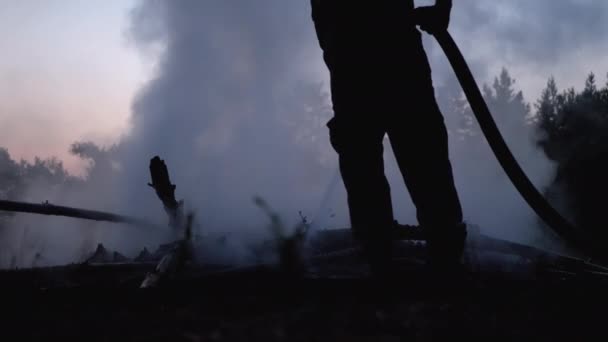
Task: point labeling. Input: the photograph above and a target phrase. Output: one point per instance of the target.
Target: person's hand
(432, 19)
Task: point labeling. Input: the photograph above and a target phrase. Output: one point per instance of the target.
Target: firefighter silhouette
(381, 86)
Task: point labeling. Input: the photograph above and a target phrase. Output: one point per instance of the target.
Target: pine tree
(575, 126)
(603, 98)
(456, 111)
(590, 86)
(503, 87)
(510, 110)
(546, 113)
(10, 176)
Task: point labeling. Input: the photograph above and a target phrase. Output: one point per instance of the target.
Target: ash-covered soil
(103, 304)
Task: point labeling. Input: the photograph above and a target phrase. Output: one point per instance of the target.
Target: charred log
(165, 190)
(143, 256)
(103, 256)
(173, 261)
(181, 251)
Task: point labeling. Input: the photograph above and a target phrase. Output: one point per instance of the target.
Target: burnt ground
(259, 304)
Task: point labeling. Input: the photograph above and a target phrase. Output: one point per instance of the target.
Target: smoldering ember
(308, 170)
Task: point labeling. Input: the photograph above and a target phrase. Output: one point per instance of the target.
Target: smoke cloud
(227, 107)
(213, 110)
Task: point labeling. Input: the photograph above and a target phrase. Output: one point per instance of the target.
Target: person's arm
(434, 18)
(445, 4)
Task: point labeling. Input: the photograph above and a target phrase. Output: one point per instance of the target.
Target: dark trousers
(398, 101)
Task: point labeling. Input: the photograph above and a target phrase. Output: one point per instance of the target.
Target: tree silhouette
(574, 127)
(546, 109)
(511, 112)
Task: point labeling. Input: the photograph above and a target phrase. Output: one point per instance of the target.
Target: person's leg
(420, 143)
(358, 143)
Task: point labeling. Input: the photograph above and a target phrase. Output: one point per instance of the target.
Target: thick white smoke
(232, 98)
(215, 111)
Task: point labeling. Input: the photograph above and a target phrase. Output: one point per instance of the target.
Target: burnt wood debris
(180, 252)
(165, 190)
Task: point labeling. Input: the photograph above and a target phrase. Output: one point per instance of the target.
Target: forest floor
(258, 304)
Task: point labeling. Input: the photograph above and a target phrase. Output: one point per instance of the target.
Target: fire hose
(522, 183)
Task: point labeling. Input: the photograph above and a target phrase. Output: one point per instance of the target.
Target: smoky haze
(215, 110)
(228, 71)
(238, 104)
(226, 106)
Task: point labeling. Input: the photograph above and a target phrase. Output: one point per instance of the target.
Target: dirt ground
(104, 304)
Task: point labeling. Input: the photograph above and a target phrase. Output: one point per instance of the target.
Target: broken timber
(181, 252)
(173, 261)
(55, 210)
(165, 190)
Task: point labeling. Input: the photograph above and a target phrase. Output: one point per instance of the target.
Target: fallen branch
(55, 210)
